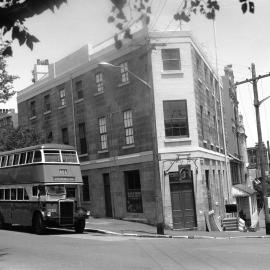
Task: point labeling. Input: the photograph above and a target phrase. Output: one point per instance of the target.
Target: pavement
(137, 229)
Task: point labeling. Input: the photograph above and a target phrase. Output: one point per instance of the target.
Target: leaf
(121, 15)
(111, 19)
(148, 10)
(147, 20)
(251, 7)
(244, 7)
(177, 16)
(184, 17)
(30, 40)
(128, 34)
(7, 51)
(119, 26)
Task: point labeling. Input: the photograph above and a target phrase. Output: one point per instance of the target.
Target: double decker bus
(40, 187)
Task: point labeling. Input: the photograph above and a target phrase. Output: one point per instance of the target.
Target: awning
(242, 190)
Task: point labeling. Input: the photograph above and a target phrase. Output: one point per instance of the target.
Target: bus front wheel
(38, 224)
(79, 226)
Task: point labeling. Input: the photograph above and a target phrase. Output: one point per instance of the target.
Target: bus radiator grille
(66, 213)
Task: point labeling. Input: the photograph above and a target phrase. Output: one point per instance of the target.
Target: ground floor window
(133, 192)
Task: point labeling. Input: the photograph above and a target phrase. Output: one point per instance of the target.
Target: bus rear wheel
(79, 226)
(38, 224)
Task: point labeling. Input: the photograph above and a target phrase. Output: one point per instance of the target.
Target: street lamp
(159, 204)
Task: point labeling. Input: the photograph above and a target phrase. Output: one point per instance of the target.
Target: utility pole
(257, 104)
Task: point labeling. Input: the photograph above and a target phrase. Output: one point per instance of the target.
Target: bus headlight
(49, 214)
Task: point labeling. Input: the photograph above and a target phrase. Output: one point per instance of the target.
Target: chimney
(41, 70)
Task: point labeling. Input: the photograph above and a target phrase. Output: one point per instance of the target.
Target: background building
(8, 118)
(139, 143)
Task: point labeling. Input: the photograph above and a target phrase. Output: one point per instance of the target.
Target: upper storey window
(79, 89)
(32, 108)
(124, 72)
(175, 118)
(171, 59)
(99, 82)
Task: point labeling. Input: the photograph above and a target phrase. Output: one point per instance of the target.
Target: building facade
(151, 145)
(8, 118)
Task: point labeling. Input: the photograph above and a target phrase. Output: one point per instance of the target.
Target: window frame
(79, 89)
(128, 127)
(179, 120)
(99, 82)
(47, 103)
(32, 108)
(82, 137)
(103, 134)
(168, 60)
(124, 72)
(62, 96)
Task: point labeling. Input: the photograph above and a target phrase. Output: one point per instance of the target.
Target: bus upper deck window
(38, 190)
(25, 195)
(1, 194)
(69, 156)
(20, 194)
(3, 161)
(37, 156)
(52, 156)
(29, 157)
(7, 194)
(9, 160)
(13, 194)
(16, 159)
(22, 158)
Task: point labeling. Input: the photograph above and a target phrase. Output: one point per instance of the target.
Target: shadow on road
(49, 231)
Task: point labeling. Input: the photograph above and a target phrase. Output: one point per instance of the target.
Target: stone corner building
(133, 139)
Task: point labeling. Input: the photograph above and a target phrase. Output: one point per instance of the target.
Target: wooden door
(183, 207)
(107, 193)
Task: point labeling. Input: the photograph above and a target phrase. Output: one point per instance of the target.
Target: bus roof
(40, 146)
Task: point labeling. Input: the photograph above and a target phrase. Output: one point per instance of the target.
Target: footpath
(136, 229)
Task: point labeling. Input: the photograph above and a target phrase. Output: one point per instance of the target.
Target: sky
(241, 39)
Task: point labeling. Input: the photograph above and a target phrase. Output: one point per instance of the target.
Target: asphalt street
(22, 250)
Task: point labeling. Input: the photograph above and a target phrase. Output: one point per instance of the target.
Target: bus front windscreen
(56, 190)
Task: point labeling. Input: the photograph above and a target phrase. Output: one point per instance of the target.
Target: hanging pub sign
(185, 173)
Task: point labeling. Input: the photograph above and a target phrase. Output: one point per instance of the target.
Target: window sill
(128, 146)
(172, 72)
(123, 84)
(199, 80)
(62, 107)
(47, 112)
(103, 151)
(98, 93)
(172, 140)
(204, 141)
(78, 100)
(33, 118)
(83, 155)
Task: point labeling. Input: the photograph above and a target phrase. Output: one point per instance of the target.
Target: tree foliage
(13, 14)
(6, 80)
(14, 138)
(122, 14)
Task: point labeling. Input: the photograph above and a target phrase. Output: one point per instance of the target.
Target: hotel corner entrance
(182, 198)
